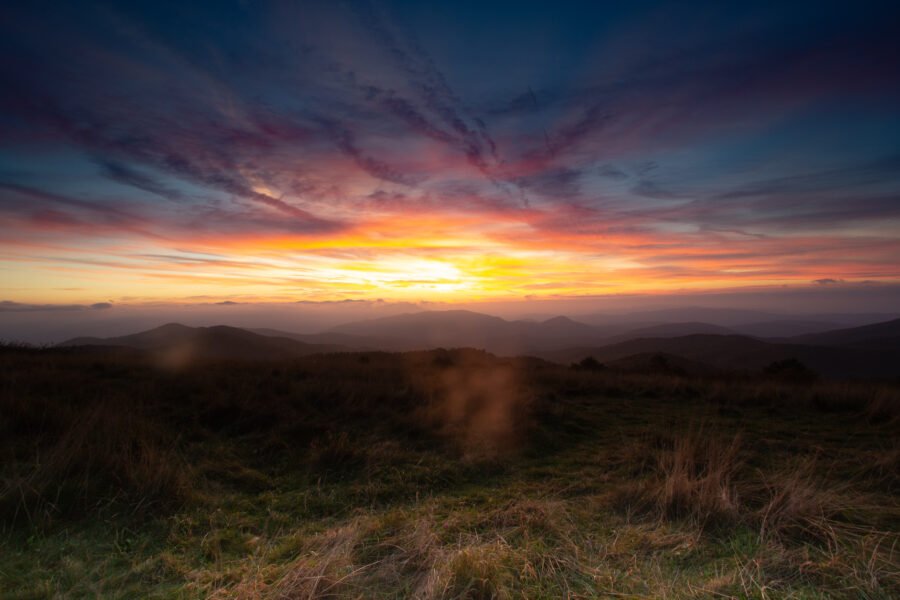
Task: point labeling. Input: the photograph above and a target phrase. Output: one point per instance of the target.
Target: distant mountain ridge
(878, 336)
(725, 317)
(565, 340)
(742, 353)
(217, 342)
(784, 328)
(749, 322)
(866, 351)
(456, 328)
(334, 339)
(667, 330)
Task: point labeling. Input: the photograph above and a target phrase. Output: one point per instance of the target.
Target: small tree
(589, 363)
(790, 369)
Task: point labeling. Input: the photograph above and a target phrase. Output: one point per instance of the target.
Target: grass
(693, 477)
(449, 474)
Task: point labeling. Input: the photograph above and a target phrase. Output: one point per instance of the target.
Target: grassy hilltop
(441, 474)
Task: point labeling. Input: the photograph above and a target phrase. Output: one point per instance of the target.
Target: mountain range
(867, 351)
(176, 342)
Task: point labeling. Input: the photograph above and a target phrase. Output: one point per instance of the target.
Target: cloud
(611, 172)
(301, 140)
(849, 177)
(106, 212)
(411, 116)
(126, 175)
(332, 302)
(561, 182)
(431, 85)
(651, 189)
(10, 306)
(828, 281)
(101, 306)
(345, 140)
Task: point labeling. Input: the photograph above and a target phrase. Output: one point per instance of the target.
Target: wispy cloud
(296, 147)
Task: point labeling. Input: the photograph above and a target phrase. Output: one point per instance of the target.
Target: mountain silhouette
(742, 353)
(463, 328)
(176, 341)
(878, 336)
(867, 351)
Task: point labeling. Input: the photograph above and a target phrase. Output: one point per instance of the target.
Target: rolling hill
(725, 317)
(867, 351)
(784, 328)
(178, 342)
(746, 322)
(660, 362)
(878, 336)
(343, 341)
(741, 353)
(462, 328)
(666, 330)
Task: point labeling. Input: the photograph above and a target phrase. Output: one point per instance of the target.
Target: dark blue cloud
(301, 117)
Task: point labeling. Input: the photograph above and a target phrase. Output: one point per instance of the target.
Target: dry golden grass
(691, 478)
(406, 555)
(440, 476)
(797, 505)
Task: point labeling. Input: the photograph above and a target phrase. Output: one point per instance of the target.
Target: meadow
(441, 474)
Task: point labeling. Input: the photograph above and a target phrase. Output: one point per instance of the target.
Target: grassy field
(439, 475)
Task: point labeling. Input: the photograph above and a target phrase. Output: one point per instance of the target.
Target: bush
(588, 363)
(790, 369)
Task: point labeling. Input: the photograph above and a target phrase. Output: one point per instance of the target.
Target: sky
(173, 153)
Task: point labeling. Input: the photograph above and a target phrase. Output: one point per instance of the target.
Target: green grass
(439, 475)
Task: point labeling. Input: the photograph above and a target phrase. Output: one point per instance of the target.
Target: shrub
(588, 363)
(790, 369)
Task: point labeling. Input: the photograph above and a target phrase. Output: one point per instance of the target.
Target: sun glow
(406, 275)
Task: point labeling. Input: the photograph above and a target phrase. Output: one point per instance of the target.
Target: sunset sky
(452, 152)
